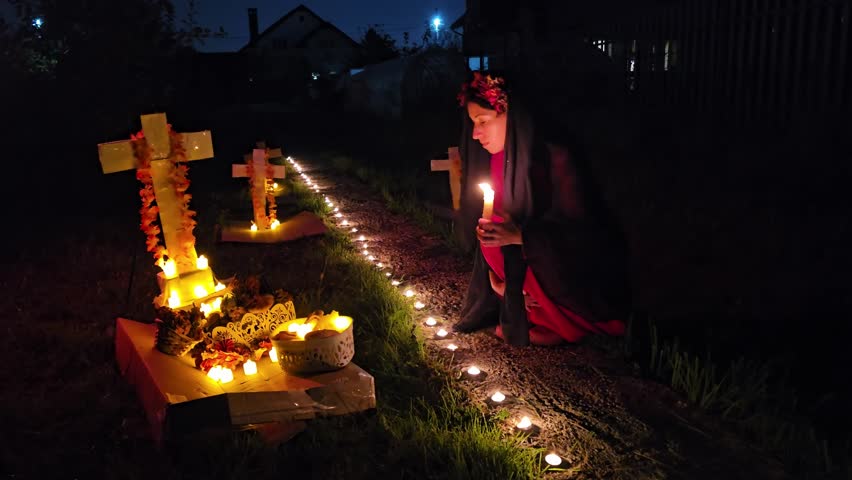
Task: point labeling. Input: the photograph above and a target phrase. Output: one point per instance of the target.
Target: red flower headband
(490, 89)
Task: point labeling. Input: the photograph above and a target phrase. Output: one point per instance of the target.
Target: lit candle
(473, 371)
(275, 223)
(227, 376)
(338, 215)
(199, 291)
(419, 305)
(371, 258)
(253, 227)
(201, 263)
(498, 397)
(525, 423)
(366, 253)
(273, 355)
(336, 210)
(217, 304)
(442, 333)
(387, 274)
(431, 321)
(362, 238)
(380, 265)
(169, 268)
(275, 185)
(174, 300)
(409, 293)
(452, 347)
(206, 309)
(488, 200)
(219, 287)
(250, 367)
(342, 323)
(215, 373)
(553, 459)
(345, 223)
(354, 230)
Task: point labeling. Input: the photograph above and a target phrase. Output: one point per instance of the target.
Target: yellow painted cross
(260, 159)
(454, 166)
(118, 156)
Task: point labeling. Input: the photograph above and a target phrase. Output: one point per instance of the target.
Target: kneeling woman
(548, 264)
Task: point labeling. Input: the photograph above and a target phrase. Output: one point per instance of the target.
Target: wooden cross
(454, 166)
(118, 156)
(259, 179)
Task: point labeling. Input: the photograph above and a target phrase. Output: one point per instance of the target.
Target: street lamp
(436, 22)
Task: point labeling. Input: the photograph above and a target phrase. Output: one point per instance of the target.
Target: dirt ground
(585, 401)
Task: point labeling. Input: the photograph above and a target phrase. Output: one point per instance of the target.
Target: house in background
(300, 52)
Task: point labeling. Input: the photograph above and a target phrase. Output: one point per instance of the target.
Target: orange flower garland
(149, 211)
(265, 220)
(270, 198)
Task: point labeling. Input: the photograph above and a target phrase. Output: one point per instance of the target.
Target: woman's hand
(492, 234)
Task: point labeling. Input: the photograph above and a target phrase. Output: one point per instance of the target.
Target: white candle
(409, 293)
(227, 375)
(250, 367)
(199, 291)
(275, 224)
(387, 274)
(498, 397)
(487, 200)
(442, 333)
(380, 265)
(553, 459)
(419, 305)
(201, 263)
(169, 268)
(371, 258)
(344, 222)
(431, 321)
(362, 238)
(253, 227)
(273, 355)
(354, 230)
(215, 373)
(174, 300)
(473, 371)
(525, 423)
(452, 347)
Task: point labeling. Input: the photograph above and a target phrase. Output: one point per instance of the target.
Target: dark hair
(467, 94)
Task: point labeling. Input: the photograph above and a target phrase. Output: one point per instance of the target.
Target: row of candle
(226, 375)
(525, 423)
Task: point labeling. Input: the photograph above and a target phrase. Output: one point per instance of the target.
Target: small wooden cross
(259, 159)
(118, 156)
(454, 166)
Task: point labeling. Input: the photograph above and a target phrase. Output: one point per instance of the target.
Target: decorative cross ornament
(189, 277)
(261, 172)
(454, 166)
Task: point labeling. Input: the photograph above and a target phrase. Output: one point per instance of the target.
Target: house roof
(459, 22)
(303, 9)
(327, 25)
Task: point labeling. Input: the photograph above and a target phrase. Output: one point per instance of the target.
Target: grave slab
(180, 400)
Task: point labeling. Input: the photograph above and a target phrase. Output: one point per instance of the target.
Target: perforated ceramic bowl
(314, 355)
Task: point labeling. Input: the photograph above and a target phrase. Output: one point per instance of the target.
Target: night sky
(353, 17)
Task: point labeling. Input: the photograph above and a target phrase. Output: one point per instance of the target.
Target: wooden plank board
(304, 224)
(180, 399)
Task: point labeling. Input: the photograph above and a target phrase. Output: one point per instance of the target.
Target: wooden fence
(742, 60)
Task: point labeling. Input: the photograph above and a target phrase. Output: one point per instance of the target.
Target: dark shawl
(578, 258)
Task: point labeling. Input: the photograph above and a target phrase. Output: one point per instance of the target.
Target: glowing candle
(338, 215)
(215, 373)
(366, 253)
(199, 291)
(219, 287)
(250, 367)
(387, 274)
(431, 322)
(442, 333)
(217, 304)
(206, 309)
(336, 210)
(362, 238)
(419, 305)
(525, 423)
(488, 200)
(169, 268)
(274, 184)
(227, 376)
(354, 230)
(380, 265)
(201, 263)
(409, 293)
(473, 371)
(342, 323)
(498, 397)
(174, 300)
(371, 258)
(395, 283)
(452, 347)
(553, 459)
(273, 355)
(253, 227)
(275, 223)
(345, 223)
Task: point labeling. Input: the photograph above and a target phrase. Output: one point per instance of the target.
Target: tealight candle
(452, 347)
(338, 215)
(431, 321)
(409, 293)
(380, 265)
(274, 184)
(371, 258)
(354, 230)
(273, 355)
(169, 268)
(275, 224)
(345, 223)
(215, 373)
(473, 371)
(362, 238)
(253, 227)
(525, 423)
(498, 397)
(250, 367)
(336, 209)
(199, 291)
(553, 459)
(174, 300)
(219, 287)
(387, 274)
(442, 333)
(227, 376)
(201, 263)
(487, 200)
(419, 305)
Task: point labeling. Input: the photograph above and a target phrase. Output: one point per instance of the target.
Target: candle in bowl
(474, 370)
(250, 367)
(553, 459)
(419, 305)
(430, 321)
(524, 424)
(452, 347)
(498, 397)
(442, 333)
(362, 238)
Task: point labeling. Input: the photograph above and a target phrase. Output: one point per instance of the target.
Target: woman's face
(489, 127)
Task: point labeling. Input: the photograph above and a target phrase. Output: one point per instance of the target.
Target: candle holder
(316, 354)
(526, 426)
(473, 373)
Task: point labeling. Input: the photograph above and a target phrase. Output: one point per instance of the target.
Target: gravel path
(587, 405)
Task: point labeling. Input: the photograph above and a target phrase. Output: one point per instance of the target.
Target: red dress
(566, 323)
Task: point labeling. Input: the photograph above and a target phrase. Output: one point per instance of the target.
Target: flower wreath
(488, 88)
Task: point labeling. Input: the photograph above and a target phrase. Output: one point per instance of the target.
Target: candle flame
(275, 224)
(525, 423)
(219, 287)
(201, 263)
(553, 459)
(273, 355)
(345, 223)
(169, 268)
(486, 188)
(199, 291)
(215, 373)
(250, 367)
(409, 293)
(498, 397)
(474, 370)
(431, 322)
(253, 227)
(442, 333)
(342, 323)
(174, 300)
(354, 230)
(206, 309)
